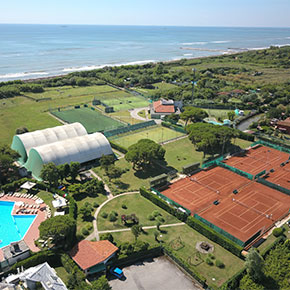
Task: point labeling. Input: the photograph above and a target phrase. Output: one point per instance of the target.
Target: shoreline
(229, 51)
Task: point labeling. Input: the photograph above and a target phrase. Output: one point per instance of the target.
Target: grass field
(188, 252)
(126, 102)
(92, 120)
(155, 133)
(125, 116)
(136, 204)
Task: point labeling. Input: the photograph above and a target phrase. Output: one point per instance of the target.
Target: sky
(242, 13)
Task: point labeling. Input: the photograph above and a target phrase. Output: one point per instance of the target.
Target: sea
(36, 51)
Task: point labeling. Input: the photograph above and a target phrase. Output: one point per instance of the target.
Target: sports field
(126, 102)
(253, 208)
(156, 133)
(92, 120)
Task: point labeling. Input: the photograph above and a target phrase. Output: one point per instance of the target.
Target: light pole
(193, 79)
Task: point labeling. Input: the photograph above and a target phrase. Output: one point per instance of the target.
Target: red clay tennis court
(257, 159)
(200, 190)
(254, 208)
(281, 176)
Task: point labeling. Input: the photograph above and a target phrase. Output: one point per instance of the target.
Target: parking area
(157, 274)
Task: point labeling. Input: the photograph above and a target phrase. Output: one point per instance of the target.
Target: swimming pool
(12, 227)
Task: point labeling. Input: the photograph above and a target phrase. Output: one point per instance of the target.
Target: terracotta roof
(284, 123)
(88, 254)
(160, 108)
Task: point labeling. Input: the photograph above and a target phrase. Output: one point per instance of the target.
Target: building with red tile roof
(93, 256)
(165, 107)
(284, 125)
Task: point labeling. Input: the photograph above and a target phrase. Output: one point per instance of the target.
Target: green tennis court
(125, 103)
(156, 133)
(92, 120)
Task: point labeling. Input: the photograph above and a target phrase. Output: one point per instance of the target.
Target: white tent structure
(24, 142)
(78, 149)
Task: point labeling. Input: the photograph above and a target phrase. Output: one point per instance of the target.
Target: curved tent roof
(79, 149)
(24, 142)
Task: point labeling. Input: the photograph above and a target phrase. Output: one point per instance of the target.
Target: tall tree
(143, 154)
(49, 173)
(74, 169)
(136, 231)
(193, 114)
(106, 161)
(254, 264)
(61, 229)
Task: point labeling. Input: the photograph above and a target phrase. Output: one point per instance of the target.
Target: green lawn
(155, 133)
(47, 197)
(180, 153)
(92, 120)
(126, 102)
(189, 238)
(142, 114)
(81, 200)
(130, 180)
(136, 204)
(62, 273)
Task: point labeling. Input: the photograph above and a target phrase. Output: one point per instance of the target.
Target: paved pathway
(144, 228)
(134, 114)
(95, 234)
(108, 190)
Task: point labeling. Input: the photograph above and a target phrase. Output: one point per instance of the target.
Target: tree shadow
(121, 185)
(154, 170)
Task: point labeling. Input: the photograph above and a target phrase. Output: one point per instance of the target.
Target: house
(284, 126)
(13, 253)
(92, 257)
(41, 274)
(165, 107)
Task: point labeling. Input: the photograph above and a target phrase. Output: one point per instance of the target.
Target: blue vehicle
(117, 272)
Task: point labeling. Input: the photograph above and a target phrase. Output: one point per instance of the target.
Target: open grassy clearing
(126, 102)
(136, 204)
(47, 197)
(189, 237)
(125, 116)
(142, 113)
(62, 273)
(92, 120)
(155, 133)
(130, 180)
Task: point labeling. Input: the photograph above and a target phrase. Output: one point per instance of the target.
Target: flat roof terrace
(257, 159)
(254, 208)
(201, 189)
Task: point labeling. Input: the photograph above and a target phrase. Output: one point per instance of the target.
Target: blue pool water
(12, 228)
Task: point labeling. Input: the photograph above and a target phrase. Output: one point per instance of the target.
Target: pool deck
(33, 233)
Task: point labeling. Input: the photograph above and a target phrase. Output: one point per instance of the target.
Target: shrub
(219, 264)
(156, 213)
(277, 232)
(104, 215)
(108, 237)
(150, 217)
(95, 205)
(160, 219)
(124, 206)
(209, 261)
(112, 217)
(211, 256)
(85, 232)
(89, 227)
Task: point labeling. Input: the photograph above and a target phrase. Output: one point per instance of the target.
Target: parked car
(117, 272)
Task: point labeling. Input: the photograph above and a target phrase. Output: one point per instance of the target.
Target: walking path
(144, 228)
(134, 114)
(95, 234)
(108, 190)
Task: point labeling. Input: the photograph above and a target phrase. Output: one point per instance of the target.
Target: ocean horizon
(29, 51)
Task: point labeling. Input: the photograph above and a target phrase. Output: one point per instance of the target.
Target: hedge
(194, 274)
(173, 127)
(234, 282)
(214, 236)
(163, 204)
(118, 147)
(13, 186)
(246, 136)
(38, 258)
(73, 208)
(272, 246)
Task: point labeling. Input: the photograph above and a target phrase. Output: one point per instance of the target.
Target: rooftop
(14, 249)
(88, 254)
(163, 106)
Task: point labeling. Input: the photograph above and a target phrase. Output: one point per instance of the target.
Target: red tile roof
(88, 254)
(159, 108)
(284, 123)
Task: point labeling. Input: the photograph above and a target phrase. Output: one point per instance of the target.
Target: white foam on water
(22, 74)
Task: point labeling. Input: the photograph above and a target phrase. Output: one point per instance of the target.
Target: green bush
(150, 217)
(104, 215)
(219, 264)
(214, 236)
(95, 205)
(211, 256)
(277, 232)
(124, 206)
(209, 261)
(85, 232)
(156, 213)
(112, 216)
(160, 219)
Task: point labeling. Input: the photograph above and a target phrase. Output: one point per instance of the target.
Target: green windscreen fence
(273, 185)
(260, 174)
(235, 170)
(271, 145)
(212, 162)
(219, 230)
(170, 201)
(129, 128)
